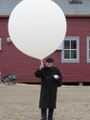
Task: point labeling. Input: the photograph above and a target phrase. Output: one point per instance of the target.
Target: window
(0, 44)
(88, 49)
(75, 1)
(70, 52)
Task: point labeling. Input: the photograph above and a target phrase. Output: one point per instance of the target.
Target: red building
(72, 57)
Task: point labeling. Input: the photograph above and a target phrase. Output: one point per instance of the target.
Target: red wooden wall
(12, 60)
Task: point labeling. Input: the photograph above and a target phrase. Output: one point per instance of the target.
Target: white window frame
(60, 46)
(88, 59)
(71, 60)
(0, 45)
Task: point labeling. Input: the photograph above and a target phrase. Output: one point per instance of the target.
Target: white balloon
(37, 27)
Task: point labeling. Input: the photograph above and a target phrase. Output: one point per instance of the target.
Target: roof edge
(67, 15)
(4, 16)
(78, 15)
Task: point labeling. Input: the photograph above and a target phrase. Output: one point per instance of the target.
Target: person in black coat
(51, 79)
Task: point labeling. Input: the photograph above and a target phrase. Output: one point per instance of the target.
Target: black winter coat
(49, 86)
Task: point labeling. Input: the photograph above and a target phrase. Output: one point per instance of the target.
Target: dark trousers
(44, 114)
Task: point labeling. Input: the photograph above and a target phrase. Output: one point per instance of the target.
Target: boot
(50, 114)
(43, 114)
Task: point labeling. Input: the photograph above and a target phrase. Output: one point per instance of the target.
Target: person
(51, 79)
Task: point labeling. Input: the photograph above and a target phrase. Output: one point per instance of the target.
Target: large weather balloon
(37, 27)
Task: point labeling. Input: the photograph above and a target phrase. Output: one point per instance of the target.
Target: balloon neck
(41, 61)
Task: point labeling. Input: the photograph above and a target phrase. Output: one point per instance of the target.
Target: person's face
(49, 64)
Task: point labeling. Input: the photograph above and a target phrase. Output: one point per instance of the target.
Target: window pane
(89, 54)
(67, 54)
(66, 44)
(73, 44)
(89, 44)
(73, 54)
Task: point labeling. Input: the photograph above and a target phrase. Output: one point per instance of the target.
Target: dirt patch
(20, 102)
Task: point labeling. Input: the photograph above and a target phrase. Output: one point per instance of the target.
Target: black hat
(49, 60)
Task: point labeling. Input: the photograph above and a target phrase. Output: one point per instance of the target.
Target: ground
(20, 102)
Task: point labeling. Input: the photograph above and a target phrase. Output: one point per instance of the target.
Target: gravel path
(20, 102)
